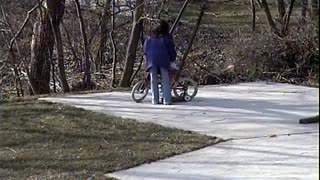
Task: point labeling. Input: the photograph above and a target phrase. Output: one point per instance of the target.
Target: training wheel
(187, 98)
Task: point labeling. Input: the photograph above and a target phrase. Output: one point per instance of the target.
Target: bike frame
(173, 80)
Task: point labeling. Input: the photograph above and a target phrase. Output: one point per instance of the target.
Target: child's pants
(165, 85)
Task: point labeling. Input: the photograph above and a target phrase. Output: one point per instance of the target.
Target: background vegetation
(61, 46)
(54, 46)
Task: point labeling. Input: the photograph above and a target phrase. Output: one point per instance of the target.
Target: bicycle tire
(139, 91)
(185, 82)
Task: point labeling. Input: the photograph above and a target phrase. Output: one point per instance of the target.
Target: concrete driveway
(260, 121)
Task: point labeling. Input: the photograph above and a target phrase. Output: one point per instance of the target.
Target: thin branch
(194, 33)
(87, 75)
(75, 56)
(24, 23)
(208, 71)
(179, 16)
(4, 62)
(11, 31)
(14, 59)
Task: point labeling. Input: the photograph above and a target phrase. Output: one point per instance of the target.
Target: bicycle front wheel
(139, 91)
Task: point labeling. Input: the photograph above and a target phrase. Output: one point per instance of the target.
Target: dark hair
(162, 28)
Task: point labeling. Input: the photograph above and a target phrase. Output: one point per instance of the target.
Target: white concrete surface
(283, 157)
(248, 113)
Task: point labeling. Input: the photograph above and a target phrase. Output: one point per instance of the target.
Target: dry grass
(52, 141)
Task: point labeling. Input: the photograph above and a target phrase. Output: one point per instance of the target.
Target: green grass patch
(43, 140)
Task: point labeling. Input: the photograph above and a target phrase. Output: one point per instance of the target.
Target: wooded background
(58, 46)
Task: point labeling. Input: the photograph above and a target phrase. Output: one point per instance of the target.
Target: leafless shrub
(293, 59)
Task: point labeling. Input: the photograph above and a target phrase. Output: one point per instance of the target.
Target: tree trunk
(133, 44)
(100, 58)
(141, 59)
(87, 76)
(62, 73)
(287, 18)
(42, 46)
(265, 7)
(253, 16)
(59, 47)
(281, 10)
(53, 74)
(114, 47)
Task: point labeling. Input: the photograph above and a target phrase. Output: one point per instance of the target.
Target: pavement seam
(270, 136)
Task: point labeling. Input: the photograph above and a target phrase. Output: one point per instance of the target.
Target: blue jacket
(159, 51)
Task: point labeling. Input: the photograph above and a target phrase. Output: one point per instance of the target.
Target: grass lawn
(43, 140)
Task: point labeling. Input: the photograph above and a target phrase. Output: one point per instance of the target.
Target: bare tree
(100, 58)
(286, 20)
(87, 74)
(59, 46)
(14, 41)
(264, 5)
(114, 47)
(42, 45)
(253, 8)
(137, 26)
(14, 62)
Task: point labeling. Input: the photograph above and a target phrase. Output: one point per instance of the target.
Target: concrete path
(261, 121)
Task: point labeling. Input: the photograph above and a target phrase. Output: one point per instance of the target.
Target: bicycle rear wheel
(139, 91)
(185, 87)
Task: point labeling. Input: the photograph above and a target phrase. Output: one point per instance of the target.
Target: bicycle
(184, 88)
